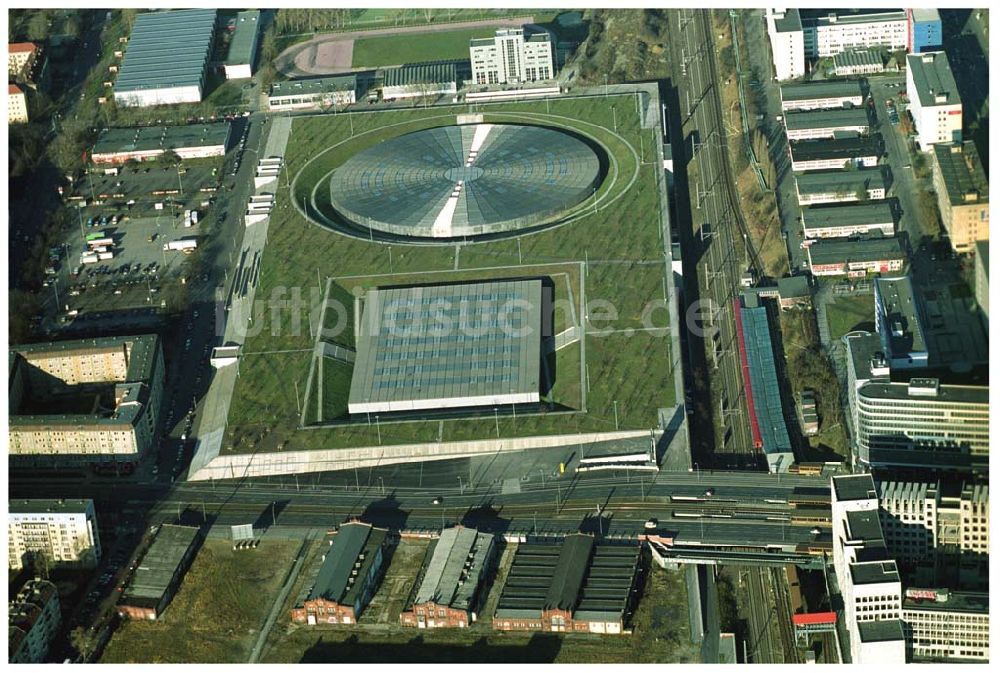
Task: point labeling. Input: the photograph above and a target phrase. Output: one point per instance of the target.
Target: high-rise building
(963, 194)
(922, 424)
(935, 105)
(943, 527)
(925, 29)
(943, 625)
(867, 577)
(64, 530)
(784, 28)
(511, 57)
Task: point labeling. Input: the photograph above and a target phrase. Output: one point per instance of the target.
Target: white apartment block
(511, 57)
(64, 529)
(821, 95)
(934, 101)
(784, 29)
(944, 625)
(17, 105)
(868, 579)
(827, 35)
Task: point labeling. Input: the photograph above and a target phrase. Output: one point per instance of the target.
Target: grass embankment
(374, 52)
(621, 242)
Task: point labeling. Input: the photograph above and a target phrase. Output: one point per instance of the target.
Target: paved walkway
(333, 52)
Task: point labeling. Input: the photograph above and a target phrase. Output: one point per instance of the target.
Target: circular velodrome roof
(460, 181)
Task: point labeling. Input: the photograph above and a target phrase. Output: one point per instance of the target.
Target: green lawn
(621, 241)
(374, 52)
(849, 313)
(217, 612)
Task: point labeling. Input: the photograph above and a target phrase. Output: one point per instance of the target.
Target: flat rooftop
(881, 630)
(864, 525)
(299, 87)
(979, 395)
(958, 601)
(847, 215)
(833, 251)
(434, 346)
(159, 564)
(789, 22)
(50, 506)
(839, 182)
(963, 173)
(901, 322)
(834, 148)
(861, 349)
(857, 57)
(243, 45)
(874, 572)
(767, 403)
(827, 17)
(855, 487)
(933, 79)
(836, 118)
(153, 138)
(167, 49)
(817, 90)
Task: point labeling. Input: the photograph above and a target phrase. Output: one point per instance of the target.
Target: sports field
(374, 52)
(627, 363)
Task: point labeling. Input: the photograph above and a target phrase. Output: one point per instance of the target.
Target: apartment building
(947, 626)
(33, 620)
(866, 219)
(64, 530)
(349, 575)
(124, 374)
(922, 424)
(454, 580)
(935, 105)
(21, 57)
(512, 57)
(784, 29)
(17, 105)
(963, 194)
(868, 578)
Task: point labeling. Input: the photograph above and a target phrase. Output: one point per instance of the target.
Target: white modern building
(943, 625)
(66, 530)
(865, 363)
(899, 323)
(935, 105)
(784, 28)
(319, 93)
(512, 57)
(922, 424)
(868, 578)
(827, 33)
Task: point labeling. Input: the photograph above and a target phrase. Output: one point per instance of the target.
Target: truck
(194, 217)
(95, 235)
(105, 255)
(99, 242)
(99, 249)
(89, 259)
(185, 244)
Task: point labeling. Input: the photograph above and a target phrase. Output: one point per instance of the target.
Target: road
(723, 246)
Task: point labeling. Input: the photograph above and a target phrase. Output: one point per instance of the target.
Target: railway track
(783, 602)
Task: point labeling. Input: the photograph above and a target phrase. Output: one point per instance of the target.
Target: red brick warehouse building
(348, 576)
(454, 580)
(581, 585)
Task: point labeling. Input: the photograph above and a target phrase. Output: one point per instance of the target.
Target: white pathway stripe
(442, 227)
